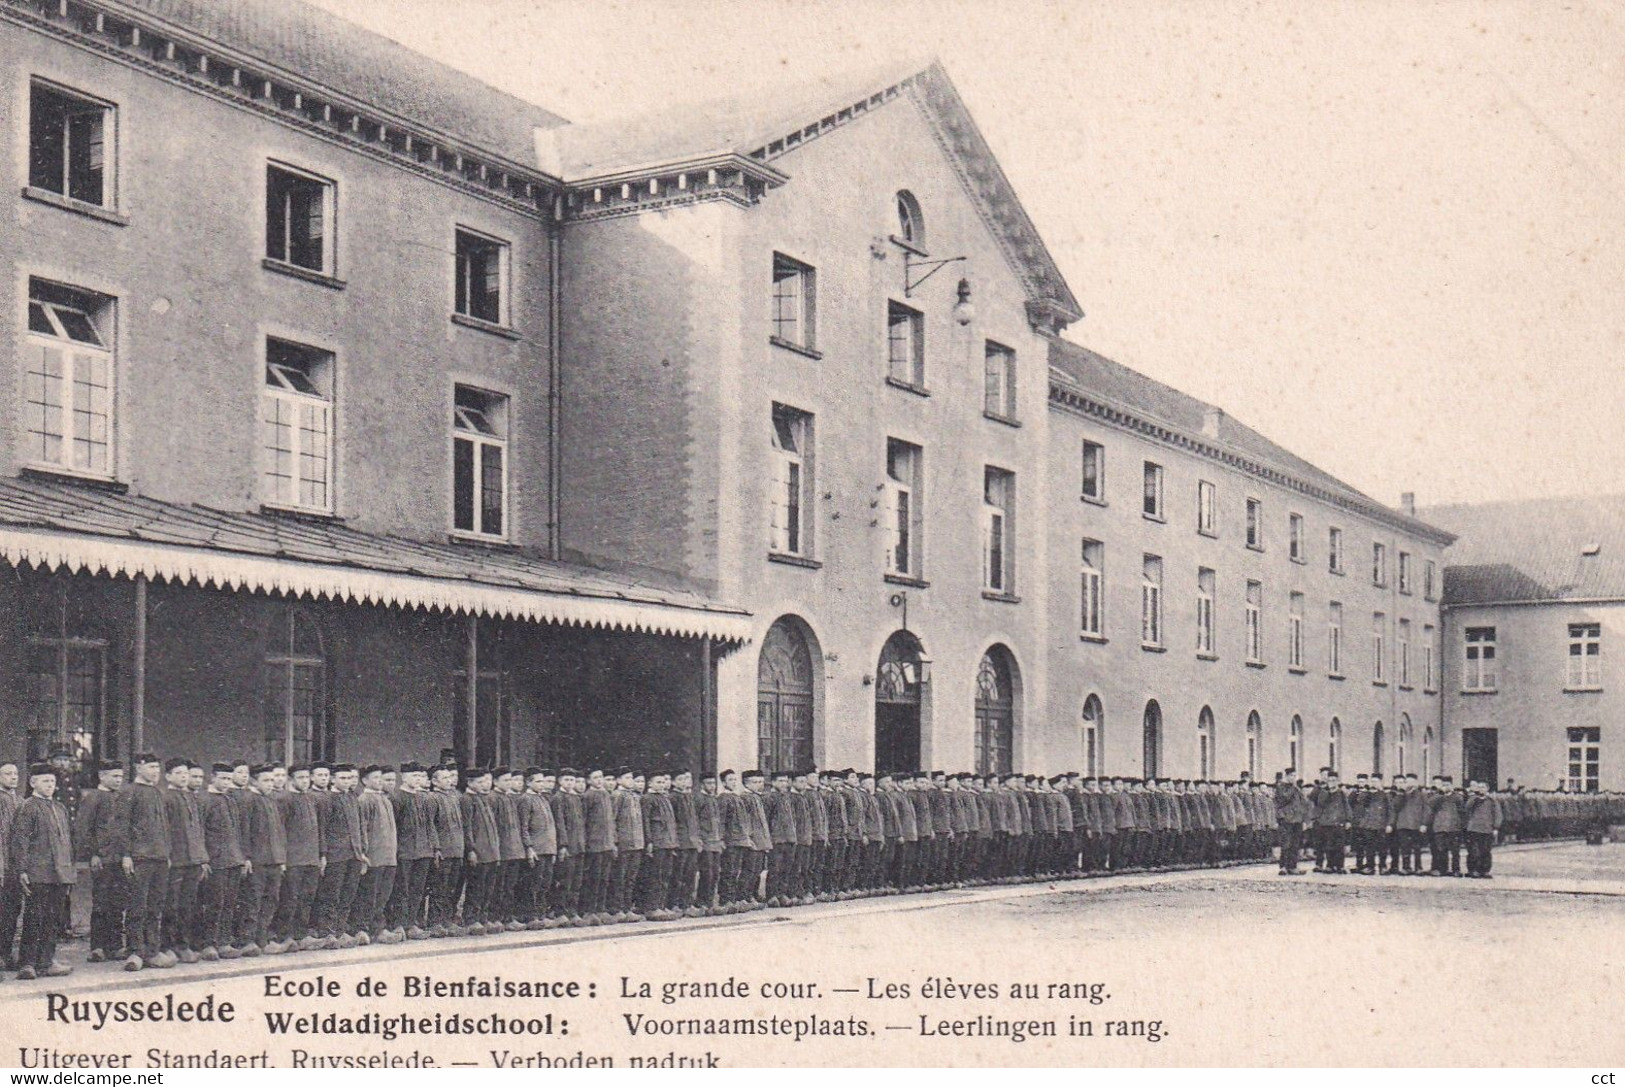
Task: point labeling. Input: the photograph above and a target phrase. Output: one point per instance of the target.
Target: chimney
(1407, 503)
(1212, 418)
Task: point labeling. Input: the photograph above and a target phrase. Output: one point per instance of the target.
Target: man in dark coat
(482, 849)
(266, 849)
(448, 840)
(1333, 817)
(223, 842)
(690, 845)
(296, 805)
(1446, 818)
(93, 846)
(1292, 810)
(1483, 817)
(140, 834)
(540, 835)
(188, 861)
(660, 844)
(569, 870)
(40, 851)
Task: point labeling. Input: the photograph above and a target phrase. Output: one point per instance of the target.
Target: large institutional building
(355, 409)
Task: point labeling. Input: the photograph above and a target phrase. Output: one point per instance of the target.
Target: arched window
(296, 727)
(1255, 743)
(1427, 753)
(995, 712)
(1376, 748)
(1094, 735)
(1403, 748)
(1295, 743)
(1334, 746)
(1204, 744)
(910, 224)
(784, 698)
(1151, 741)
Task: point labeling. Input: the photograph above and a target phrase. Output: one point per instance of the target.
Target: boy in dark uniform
(223, 842)
(40, 853)
(708, 827)
(188, 859)
(140, 833)
(94, 845)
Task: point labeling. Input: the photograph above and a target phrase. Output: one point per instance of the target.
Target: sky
(1388, 235)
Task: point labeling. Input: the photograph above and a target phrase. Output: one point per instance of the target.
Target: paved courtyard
(1234, 967)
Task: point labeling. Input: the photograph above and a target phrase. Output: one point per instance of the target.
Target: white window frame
(999, 381)
(1481, 658)
(1405, 572)
(1430, 580)
(1093, 453)
(1402, 650)
(466, 428)
(1255, 622)
(901, 316)
(1584, 763)
(998, 531)
(1205, 727)
(1379, 564)
(1334, 549)
(288, 397)
(1334, 639)
(1255, 524)
(465, 276)
(904, 519)
(1582, 670)
(329, 220)
(107, 200)
(1206, 588)
(1334, 745)
(1151, 631)
(789, 526)
(1152, 495)
(800, 298)
(1294, 636)
(1091, 584)
(77, 355)
(1207, 504)
(1296, 543)
(1430, 678)
(1379, 647)
(1094, 756)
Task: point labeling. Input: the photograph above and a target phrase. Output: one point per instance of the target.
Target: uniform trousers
(371, 896)
(730, 875)
(335, 896)
(685, 870)
(658, 866)
(478, 877)
(256, 904)
(624, 881)
(445, 880)
(567, 874)
(42, 919)
(219, 906)
(108, 895)
(1446, 852)
(180, 907)
(1480, 849)
(1408, 850)
(708, 879)
(595, 882)
(781, 864)
(411, 884)
(1291, 846)
(877, 862)
(536, 900)
(299, 886)
(503, 903)
(1331, 842)
(11, 912)
(149, 886)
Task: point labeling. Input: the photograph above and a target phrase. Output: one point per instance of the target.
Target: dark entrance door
(784, 700)
(1151, 756)
(995, 714)
(897, 704)
(1480, 755)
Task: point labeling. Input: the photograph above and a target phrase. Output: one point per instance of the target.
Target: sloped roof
(344, 57)
(1076, 367)
(763, 125)
(1533, 550)
(52, 525)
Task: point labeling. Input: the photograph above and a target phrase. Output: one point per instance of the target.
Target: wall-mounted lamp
(925, 671)
(964, 311)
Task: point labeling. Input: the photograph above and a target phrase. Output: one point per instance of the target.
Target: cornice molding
(1079, 402)
(261, 88)
(735, 179)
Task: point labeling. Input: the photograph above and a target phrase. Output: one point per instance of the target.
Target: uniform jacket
(301, 825)
(8, 811)
(1062, 809)
(760, 834)
(659, 821)
(447, 825)
(1331, 807)
(341, 828)
(536, 825)
(1446, 816)
(140, 823)
(40, 844)
(908, 817)
(628, 811)
(685, 811)
(942, 805)
(807, 809)
(782, 822)
(93, 825)
(1291, 806)
(510, 838)
(570, 818)
(708, 821)
(734, 821)
(1411, 810)
(818, 809)
(263, 841)
(1374, 812)
(379, 842)
(872, 816)
(480, 834)
(836, 814)
(1483, 814)
(186, 842)
(222, 830)
(599, 816)
(414, 825)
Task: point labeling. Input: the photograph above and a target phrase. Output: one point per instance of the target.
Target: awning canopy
(58, 526)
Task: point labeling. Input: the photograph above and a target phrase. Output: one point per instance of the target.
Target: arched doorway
(1403, 748)
(784, 698)
(1376, 748)
(1094, 735)
(1151, 755)
(897, 704)
(995, 712)
(1204, 744)
(1255, 743)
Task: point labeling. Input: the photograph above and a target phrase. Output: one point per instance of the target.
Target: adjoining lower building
(1534, 595)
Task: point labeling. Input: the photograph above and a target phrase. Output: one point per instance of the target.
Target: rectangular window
(1334, 639)
(1255, 622)
(1429, 677)
(1585, 760)
(1153, 491)
(68, 375)
(1379, 647)
(1404, 652)
(1151, 602)
(1296, 548)
(1479, 653)
(1405, 572)
(1334, 550)
(999, 381)
(69, 145)
(905, 345)
(793, 302)
(1255, 524)
(1379, 565)
(1094, 472)
(482, 278)
(998, 530)
(298, 218)
(297, 427)
(1206, 583)
(1585, 657)
(904, 465)
(1091, 618)
(792, 468)
(1430, 583)
(1294, 630)
(1207, 501)
(479, 455)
